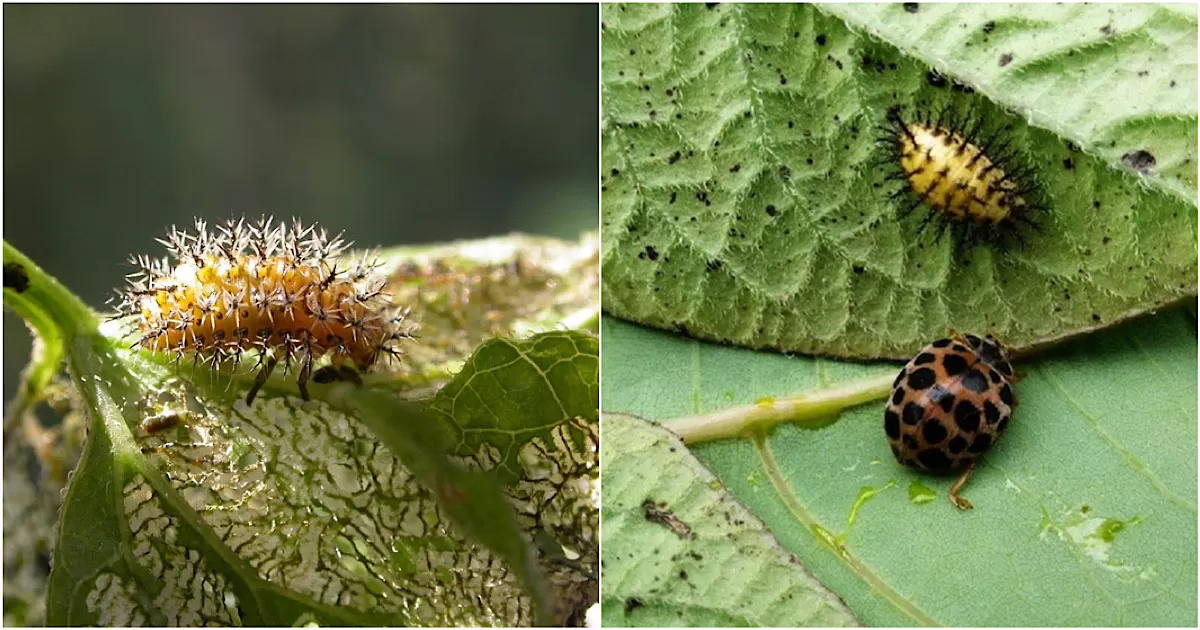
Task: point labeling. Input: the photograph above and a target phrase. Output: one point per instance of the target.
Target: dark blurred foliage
(395, 123)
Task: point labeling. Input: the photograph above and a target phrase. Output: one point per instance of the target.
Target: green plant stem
(45, 302)
(53, 313)
(810, 409)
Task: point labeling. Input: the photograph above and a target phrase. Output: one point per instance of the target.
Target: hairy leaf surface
(744, 201)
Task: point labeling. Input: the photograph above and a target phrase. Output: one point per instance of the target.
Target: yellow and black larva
(973, 184)
(271, 288)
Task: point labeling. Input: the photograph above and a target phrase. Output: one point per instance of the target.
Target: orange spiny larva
(973, 186)
(271, 288)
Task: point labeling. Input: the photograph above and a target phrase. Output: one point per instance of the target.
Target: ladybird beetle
(949, 404)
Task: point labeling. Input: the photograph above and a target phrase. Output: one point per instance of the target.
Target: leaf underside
(741, 204)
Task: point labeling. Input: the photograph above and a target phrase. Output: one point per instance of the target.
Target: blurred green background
(395, 123)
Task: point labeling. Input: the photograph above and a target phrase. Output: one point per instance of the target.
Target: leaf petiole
(810, 409)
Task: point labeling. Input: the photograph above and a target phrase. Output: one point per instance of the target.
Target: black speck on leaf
(1141, 161)
(912, 7)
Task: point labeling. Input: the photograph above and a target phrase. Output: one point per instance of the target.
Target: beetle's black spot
(913, 413)
(1002, 426)
(959, 348)
(897, 397)
(910, 442)
(995, 376)
(923, 358)
(957, 444)
(991, 412)
(975, 381)
(1006, 395)
(954, 364)
(941, 343)
(891, 422)
(1005, 367)
(981, 443)
(15, 277)
(933, 431)
(974, 341)
(896, 383)
(934, 459)
(921, 379)
(895, 451)
(942, 397)
(966, 414)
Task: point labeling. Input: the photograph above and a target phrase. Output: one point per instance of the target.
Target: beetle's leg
(960, 502)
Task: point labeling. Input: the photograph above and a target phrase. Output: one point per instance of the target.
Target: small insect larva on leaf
(275, 289)
(972, 184)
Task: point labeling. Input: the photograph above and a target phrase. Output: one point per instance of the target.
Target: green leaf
(680, 551)
(358, 508)
(1085, 513)
(740, 203)
(132, 550)
(519, 414)
(493, 402)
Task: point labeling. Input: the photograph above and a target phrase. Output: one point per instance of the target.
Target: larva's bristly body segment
(970, 178)
(277, 289)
